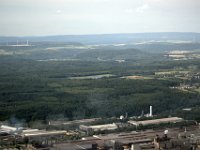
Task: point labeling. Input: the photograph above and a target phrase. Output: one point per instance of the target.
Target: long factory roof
(35, 132)
(156, 121)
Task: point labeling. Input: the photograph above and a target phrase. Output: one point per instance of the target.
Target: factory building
(183, 142)
(44, 137)
(140, 144)
(36, 132)
(78, 146)
(82, 121)
(90, 129)
(156, 121)
(10, 135)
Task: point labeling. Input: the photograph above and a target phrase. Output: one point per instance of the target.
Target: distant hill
(108, 38)
(113, 54)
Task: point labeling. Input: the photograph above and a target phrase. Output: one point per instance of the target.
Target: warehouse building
(156, 121)
(103, 127)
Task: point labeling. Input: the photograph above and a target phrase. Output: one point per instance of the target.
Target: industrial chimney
(150, 113)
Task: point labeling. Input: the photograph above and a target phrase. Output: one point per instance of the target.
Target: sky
(72, 17)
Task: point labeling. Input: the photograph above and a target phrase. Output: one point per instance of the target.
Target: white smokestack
(166, 132)
(150, 113)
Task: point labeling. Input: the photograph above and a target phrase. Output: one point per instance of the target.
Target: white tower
(166, 132)
(150, 113)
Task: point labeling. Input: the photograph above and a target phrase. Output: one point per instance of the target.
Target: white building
(103, 127)
(156, 121)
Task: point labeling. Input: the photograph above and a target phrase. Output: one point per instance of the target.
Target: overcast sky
(63, 17)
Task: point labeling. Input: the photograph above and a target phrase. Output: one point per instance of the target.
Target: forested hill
(42, 79)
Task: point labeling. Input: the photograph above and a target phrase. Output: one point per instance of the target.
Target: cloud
(129, 11)
(58, 11)
(48, 17)
(142, 8)
(153, 1)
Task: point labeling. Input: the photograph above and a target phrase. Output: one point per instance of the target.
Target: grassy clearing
(139, 77)
(197, 90)
(171, 72)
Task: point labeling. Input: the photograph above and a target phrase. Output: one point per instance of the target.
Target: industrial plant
(123, 134)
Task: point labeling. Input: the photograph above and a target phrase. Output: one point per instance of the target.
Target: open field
(138, 77)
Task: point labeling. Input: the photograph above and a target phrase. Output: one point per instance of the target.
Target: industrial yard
(171, 138)
(148, 134)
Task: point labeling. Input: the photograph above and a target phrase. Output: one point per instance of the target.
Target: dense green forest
(32, 89)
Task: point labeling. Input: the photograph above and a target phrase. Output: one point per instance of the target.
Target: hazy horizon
(86, 17)
(96, 34)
